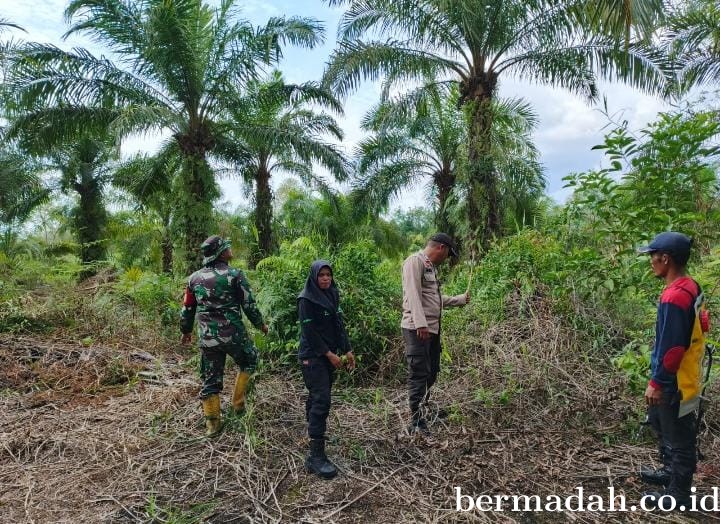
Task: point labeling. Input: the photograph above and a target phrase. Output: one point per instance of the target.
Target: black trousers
(318, 375)
(677, 441)
(423, 361)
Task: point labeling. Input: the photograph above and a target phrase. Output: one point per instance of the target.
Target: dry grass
(529, 415)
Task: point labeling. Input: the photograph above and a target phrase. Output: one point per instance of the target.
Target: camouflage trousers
(212, 364)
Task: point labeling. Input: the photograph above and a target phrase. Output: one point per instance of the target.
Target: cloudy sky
(568, 128)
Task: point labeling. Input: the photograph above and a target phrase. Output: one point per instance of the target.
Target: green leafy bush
(517, 264)
(370, 296)
(371, 299)
(153, 295)
(634, 361)
(280, 279)
(663, 180)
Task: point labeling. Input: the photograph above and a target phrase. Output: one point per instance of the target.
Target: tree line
(208, 80)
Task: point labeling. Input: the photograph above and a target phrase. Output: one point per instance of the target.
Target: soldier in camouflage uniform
(217, 293)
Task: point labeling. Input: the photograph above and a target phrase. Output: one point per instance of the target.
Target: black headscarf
(326, 298)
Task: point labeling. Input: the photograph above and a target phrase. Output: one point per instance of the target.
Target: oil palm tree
(150, 181)
(278, 129)
(332, 221)
(475, 43)
(423, 141)
(85, 168)
(36, 169)
(176, 62)
(425, 138)
(521, 175)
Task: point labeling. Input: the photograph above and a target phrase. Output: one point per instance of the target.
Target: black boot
(317, 462)
(419, 425)
(660, 476)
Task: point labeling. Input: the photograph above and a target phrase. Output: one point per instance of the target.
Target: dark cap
(213, 247)
(445, 239)
(669, 242)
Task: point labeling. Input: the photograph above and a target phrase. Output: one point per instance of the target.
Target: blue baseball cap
(669, 242)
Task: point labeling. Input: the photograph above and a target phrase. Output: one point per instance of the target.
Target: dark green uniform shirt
(217, 293)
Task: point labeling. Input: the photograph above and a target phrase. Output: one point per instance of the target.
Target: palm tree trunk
(166, 244)
(263, 216)
(90, 218)
(167, 253)
(483, 207)
(445, 183)
(195, 207)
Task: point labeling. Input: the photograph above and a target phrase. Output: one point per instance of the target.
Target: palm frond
(623, 17)
(298, 31)
(21, 189)
(44, 129)
(355, 62)
(149, 178)
(421, 21)
(379, 187)
(6, 24)
(115, 24)
(43, 73)
(693, 43)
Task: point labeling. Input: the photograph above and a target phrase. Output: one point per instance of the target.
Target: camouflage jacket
(217, 293)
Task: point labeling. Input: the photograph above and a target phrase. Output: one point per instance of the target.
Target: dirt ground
(114, 434)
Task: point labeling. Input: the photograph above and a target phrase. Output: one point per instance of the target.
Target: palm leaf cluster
(21, 189)
(408, 145)
(280, 130)
(693, 43)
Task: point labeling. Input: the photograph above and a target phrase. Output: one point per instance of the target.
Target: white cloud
(43, 21)
(561, 195)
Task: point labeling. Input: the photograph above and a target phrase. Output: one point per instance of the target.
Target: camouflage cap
(213, 248)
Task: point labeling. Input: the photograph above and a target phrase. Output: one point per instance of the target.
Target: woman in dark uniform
(322, 339)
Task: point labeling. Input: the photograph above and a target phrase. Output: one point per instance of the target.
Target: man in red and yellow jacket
(673, 393)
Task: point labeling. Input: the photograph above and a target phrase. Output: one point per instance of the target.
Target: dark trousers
(212, 364)
(677, 441)
(318, 375)
(423, 361)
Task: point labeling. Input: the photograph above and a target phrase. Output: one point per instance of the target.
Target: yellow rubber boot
(211, 408)
(241, 385)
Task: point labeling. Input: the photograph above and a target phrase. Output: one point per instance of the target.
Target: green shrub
(371, 295)
(280, 279)
(517, 264)
(154, 296)
(634, 361)
(607, 302)
(369, 289)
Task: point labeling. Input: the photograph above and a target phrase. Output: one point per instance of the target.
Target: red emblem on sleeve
(189, 298)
